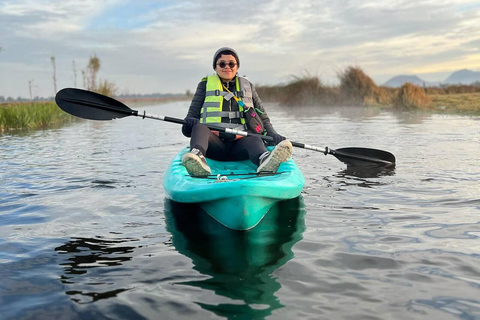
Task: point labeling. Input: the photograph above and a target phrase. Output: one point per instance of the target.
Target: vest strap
(225, 114)
(229, 125)
(216, 93)
(210, 104)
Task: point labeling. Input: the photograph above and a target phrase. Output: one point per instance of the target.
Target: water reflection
(84, 255)
(240, 265)
(363, 176)
(457, 307)
(368, 171)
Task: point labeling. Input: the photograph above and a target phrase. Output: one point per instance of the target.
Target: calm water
(86, 232)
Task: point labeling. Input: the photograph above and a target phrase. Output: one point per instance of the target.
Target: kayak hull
(234, 196)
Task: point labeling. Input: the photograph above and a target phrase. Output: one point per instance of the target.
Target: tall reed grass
(356, 88)
(22, 116)
(300, 91)
(412, 97)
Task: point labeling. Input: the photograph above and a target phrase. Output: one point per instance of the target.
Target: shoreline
(26, 115)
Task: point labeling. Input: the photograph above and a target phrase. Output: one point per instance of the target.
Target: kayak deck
(234, 195)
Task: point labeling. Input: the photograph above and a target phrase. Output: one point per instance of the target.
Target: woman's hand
(188, 126)
(191, 122)
(276, 138)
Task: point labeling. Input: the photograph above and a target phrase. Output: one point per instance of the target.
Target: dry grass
(358, 89)
(412, 97)
(454, 89)
(301, 91)
(463, 102)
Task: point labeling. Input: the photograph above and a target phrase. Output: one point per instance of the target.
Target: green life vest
(212, 112)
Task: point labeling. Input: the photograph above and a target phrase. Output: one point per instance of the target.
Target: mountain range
(463, 76)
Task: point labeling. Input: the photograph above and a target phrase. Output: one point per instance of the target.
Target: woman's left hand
(276, 137)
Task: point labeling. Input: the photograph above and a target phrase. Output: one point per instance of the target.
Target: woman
(218, 101)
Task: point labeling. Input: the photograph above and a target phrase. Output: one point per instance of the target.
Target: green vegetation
(36, 115)
(22, 116)
(461, 102)
(358, 89)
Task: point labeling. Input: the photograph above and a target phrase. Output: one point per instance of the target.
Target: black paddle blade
(364, 157)
(91, 105)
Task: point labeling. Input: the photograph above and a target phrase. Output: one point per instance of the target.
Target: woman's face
(227, 73)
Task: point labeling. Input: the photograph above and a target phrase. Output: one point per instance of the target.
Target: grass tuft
(412, 97)
(37, 115)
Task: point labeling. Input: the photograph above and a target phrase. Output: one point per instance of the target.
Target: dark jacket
(231, 105)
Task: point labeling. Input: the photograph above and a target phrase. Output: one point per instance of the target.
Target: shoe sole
(195, 165)
(281, 153)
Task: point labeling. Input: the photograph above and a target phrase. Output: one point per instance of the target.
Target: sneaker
(270, 161)
(195, 163)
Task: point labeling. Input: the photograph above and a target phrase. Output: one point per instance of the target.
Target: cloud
(167, 46)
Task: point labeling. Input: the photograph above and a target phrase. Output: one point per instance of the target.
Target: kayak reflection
(240, 264)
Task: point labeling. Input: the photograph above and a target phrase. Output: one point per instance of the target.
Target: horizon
(167, 46)
(166, 94)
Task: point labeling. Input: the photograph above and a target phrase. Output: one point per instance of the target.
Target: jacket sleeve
(257, 103)
(195, 106)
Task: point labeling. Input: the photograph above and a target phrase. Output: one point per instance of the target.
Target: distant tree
(84, 79)
(91, 72)
(30, 89)
(106, 88)
(74, 74)
(52, 59)
(90, 82)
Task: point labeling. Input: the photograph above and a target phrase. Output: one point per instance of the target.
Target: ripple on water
(85, 231)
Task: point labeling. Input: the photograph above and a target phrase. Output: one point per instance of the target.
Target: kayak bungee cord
(224, 177)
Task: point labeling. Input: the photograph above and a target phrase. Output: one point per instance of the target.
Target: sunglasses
(223, 64)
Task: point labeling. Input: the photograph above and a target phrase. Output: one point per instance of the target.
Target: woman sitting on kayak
(229, 101)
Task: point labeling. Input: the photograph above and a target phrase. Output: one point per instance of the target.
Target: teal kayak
(234, 195)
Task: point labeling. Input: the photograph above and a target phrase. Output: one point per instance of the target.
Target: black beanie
(225, 50)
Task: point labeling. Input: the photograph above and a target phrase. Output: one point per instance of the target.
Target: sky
(155, 46)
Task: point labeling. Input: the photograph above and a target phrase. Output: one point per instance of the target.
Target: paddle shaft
(94, 106)
(325, 150)
(232, 131)
(337, 153)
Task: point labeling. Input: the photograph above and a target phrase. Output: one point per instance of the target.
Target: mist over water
(86, 231)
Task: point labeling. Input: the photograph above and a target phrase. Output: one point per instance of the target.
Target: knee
(200, 128)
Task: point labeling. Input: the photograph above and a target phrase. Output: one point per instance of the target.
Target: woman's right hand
(188, 126)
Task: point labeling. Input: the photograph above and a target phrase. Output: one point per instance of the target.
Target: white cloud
(167, 46)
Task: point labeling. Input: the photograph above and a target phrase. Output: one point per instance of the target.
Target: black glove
(276, 138)
(191, 122)
(188, 126)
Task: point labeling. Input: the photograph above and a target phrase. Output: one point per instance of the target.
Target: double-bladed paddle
(94, 106)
